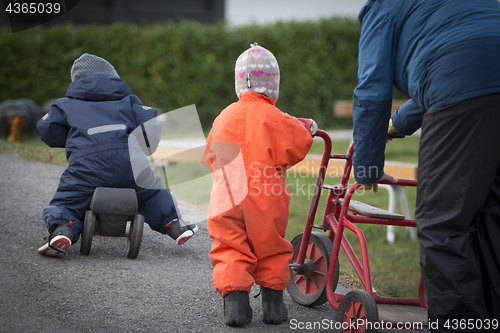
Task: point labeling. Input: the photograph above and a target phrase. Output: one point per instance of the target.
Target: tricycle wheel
(135, 236)
(88, 232)
(356, 309)
(307, 284)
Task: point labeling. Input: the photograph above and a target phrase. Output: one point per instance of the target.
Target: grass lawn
(31, 148)
(395, 267)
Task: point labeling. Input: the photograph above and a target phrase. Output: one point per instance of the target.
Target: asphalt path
(168, 288)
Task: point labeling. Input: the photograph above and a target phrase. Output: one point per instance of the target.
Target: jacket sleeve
(53, 127)
(294, 141)
(408, 118)
(372, 97)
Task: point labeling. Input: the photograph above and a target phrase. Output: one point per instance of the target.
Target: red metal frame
(336, 219)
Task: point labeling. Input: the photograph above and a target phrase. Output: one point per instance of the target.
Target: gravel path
(168, 288)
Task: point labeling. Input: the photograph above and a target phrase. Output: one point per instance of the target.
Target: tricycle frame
(336, 219)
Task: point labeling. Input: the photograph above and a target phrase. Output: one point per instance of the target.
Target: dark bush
(171, 65)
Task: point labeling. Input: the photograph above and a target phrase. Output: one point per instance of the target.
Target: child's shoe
(58, 242)
(237, 310)
(273, 308)
(179, 233)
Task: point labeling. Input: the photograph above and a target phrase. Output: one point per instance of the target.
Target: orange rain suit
(248, 210)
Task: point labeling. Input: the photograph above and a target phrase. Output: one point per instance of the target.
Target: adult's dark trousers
(458, 214)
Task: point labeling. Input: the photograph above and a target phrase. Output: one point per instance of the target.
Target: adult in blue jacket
(445, 56)
(107, 133)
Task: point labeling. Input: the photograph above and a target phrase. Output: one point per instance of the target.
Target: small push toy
(109, 211)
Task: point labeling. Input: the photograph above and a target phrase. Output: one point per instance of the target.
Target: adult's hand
(386, 176)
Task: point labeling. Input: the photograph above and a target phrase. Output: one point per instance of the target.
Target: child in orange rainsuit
(251, 145)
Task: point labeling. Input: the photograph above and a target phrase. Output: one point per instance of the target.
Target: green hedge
(171, 65)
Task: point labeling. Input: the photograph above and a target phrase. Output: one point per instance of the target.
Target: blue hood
(98, 86)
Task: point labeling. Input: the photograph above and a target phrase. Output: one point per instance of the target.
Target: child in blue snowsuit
(93, 122)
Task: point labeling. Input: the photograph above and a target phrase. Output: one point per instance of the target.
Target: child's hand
(310, 125)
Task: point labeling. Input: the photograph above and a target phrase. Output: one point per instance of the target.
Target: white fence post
(396, 192)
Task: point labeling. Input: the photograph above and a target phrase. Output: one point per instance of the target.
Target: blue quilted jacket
(436, 52)
(98, 114)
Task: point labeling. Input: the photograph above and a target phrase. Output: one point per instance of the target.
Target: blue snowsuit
(93, 122)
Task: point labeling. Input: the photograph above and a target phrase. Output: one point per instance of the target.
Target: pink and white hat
(257, 70)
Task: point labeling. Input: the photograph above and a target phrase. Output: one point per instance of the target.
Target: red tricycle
(314, 267)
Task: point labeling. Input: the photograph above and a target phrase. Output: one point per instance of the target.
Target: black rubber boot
(237, 310)
(273, 308)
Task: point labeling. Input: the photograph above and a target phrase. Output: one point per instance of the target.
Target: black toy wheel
(356, 309)
(135, 236)
(88, 232)
(307, 284)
